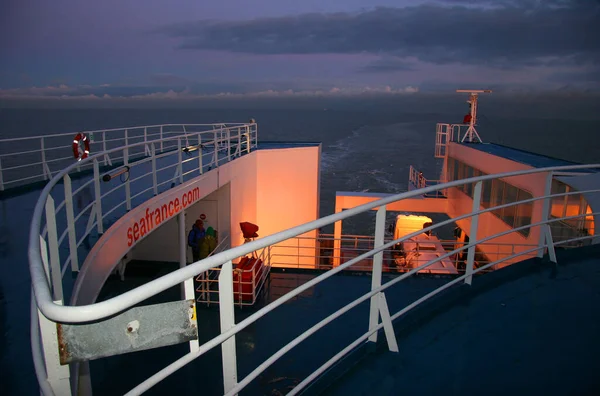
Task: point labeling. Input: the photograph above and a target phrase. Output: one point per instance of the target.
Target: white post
(378, 301)
(377, 269)
(55, 274)
(71, 224)
(44, 165)
(228, 145)
(154, 182)
(98, 197)
(216, 154)
(473, 233)
(545, 213)
(127, 184)
(161, 138)
(58, 376)
(180, 166)
(227, 316)
(1, 179)
(200, 153)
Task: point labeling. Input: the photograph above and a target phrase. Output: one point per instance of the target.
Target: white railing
(418, 180)
(50, 305)
(25, 160)
(285, 254)
(93, 204)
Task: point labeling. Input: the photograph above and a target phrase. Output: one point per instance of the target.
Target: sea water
(367, 151)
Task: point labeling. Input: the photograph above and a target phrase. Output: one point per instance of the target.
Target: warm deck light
(109, 176)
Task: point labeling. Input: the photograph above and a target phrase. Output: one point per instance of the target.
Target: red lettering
(153, 218)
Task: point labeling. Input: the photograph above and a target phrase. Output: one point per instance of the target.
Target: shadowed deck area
(531, 328)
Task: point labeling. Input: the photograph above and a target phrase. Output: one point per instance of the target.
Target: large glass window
(495, 193)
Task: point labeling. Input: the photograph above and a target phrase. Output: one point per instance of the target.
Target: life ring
(77, 152)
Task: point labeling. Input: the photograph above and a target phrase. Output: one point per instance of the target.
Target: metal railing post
(473, 233)
(227, 316)
(228, 145)
(98, 197)
(161, 138)
(200, 152)
(378, 302)
(55, 274)
(127, 184)
(154, 182)
(71, 224)
(126, 139)
(57, 375)
(45, 169)
(216, 154)
(545, 213)
(1, 178)
(179, 157)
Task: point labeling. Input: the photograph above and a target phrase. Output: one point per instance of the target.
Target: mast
(471, 131)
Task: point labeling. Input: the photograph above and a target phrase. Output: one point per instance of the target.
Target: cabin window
(486, 192)
(495, 193)
(468, 187)
(510, 195)
(558, 203)
(450, 169)
(523, 212)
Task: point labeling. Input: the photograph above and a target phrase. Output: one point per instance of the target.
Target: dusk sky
(178, 49)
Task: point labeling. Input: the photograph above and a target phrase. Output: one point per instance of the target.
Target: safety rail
(25, 160)
(296, 250)
(52, 308)
(248, 283)
(417, 180)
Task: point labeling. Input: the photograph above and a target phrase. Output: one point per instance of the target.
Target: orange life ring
(77, 152)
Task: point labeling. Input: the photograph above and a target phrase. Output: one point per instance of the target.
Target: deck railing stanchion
(57, 375)
(378, 302)
(228, 144)
(71, 224)
(127, 183)
(55, 274)
(98, 196)
(200, 152)
(545, 213)
(161, 138)
(180, 158)
(154, 181)
(473, 233)
(1, 178)
(227, 317)
(216, 153)
(45, 168)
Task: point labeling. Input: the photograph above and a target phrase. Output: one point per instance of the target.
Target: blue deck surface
(521, 156)
(527, 329)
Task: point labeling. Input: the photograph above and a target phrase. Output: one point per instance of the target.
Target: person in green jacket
(209, 243)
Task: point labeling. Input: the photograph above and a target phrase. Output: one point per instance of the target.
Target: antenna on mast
(472, 118)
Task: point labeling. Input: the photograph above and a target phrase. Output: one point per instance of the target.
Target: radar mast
(471, 133)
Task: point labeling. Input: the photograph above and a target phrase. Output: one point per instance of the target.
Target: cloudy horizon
(151, 50)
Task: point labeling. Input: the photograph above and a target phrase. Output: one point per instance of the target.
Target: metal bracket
(140, 328)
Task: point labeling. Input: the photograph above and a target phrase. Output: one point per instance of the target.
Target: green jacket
(208, 244)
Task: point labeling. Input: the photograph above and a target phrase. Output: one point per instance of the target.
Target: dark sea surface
(361, 151)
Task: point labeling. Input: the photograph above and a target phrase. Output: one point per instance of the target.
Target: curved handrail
(144, 386)
(220, 125)
(79, 314)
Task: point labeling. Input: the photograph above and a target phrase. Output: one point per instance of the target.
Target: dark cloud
(387, 65)
(505, 35)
